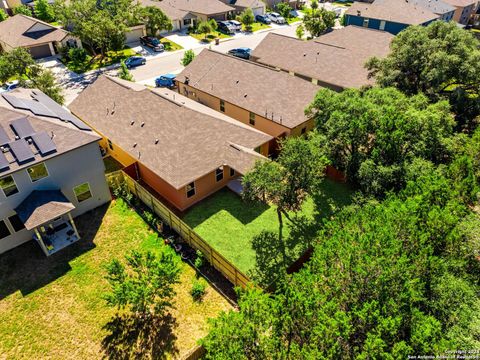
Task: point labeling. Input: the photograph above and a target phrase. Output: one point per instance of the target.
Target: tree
(23, 10)
(145, 284)
(247, 18)
(14, 63)
(287, 182)
(44, 11)
(318, 20)
(44, 80)
(3, 15)
(188, 57)
(439, 60)
(374, 135)
(204, 28)
(213, 25)
(284, 9)
(155, 20)
(300, 31)
(124, 73)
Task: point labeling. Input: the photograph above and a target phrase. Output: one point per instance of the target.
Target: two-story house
(261, 97)
(389, 15)
(464, 10)
(51, 171)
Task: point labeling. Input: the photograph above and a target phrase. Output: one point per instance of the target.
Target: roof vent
(4, 149)
(304, 54)
(236, 82)
(132, 122)
(134, 144)
(52, 135)
(142, 124)
(245, 95)
(156, 141)
(17, 137)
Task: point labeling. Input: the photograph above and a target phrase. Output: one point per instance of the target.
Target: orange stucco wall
(240, 114)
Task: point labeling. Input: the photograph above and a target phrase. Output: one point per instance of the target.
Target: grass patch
(293, 20)
(52, 307)
(111, 165)
(112, 57)
(210, 37)
(257, 26)
(170, 45)
(228, 224)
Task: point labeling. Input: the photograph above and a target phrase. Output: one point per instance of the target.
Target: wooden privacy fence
(215, 259)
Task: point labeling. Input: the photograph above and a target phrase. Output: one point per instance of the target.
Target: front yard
(90, 63)
(257, 26)
(210, 37)
(228, 224)
(53, 307)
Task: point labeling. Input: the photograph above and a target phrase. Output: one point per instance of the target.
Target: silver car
(236, 25)
(276, 18)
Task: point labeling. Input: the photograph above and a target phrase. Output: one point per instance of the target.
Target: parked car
(264, 19)
(236, 25)
(134, 61)
(152, 42)
(242, 52)
(226, 27)
(166, 80)
(276, 18)
(9, 86)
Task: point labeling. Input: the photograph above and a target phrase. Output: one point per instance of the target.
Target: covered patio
(48, 214)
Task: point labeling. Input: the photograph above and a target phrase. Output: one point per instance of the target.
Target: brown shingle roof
(177, 9)
(251, 86)
(460, 3)
(14, 32)
(191, 143)
(399, 11)
(337, 58)
(66, 136)
(248, 3)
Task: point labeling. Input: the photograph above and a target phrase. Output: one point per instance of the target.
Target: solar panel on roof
(44, 143)
(21, 151)
(4, 139)
(17, 103)
(22, 127)
(4, 165)
(40, 109)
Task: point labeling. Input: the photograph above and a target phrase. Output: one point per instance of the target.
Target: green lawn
(293, 20)
(112, 57)
(53, 307)
(228, 224)
(170, 45)
(257, 26)
(210, 37)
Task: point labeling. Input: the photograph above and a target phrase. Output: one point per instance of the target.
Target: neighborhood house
(335, 60)
(182, 150)
(266, 99)
(51, 171)
(39, 38)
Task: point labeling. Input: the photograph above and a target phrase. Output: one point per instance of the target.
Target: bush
(188, 57)
(22, 9)
(198, 289)
(3, 15)
(199, 259)
(77, 55)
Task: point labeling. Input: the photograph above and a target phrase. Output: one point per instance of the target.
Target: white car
(9, 86)
(236, 25)
(276, 18)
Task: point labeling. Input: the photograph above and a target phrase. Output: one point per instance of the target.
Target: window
(186, 22)
(191, 189)
(110, 145)
(8, 186)
(222, 106)
(4, 232)
(365, 22)
(382, 25)
(16, 223)
(37, 172)
(252, 119)
(232, 172)
(304, 130)
(82, 192)
(219, 174)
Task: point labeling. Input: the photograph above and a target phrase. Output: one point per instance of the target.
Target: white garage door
(258, 11)
(133, 36)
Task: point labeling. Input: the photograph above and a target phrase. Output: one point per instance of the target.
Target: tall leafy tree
(440, 60)
(22, 9)
(318, 20)
(284, 9)
(44, 11)
(204, 28)
(247, 18)
(373, 135)
(3, 15)
(155, 20)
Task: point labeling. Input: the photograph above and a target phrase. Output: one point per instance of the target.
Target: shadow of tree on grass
(132, 338)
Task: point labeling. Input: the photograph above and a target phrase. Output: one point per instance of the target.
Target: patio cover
(42, 206)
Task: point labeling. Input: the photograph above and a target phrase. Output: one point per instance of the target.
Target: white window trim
(216, 175)
(89, 189)
(46, 168)
(194, 190)
(18, 190)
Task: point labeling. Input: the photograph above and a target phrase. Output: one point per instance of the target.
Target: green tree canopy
(188, 57)
(22, 9)
(318, 20)
(247, 18)
(3, 15)
(373, 135)
(204, 28)
(440, 60)
(155, 20)
(44, 11)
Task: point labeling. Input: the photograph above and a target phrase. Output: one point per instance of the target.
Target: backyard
(228, 224)
(53, 307)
